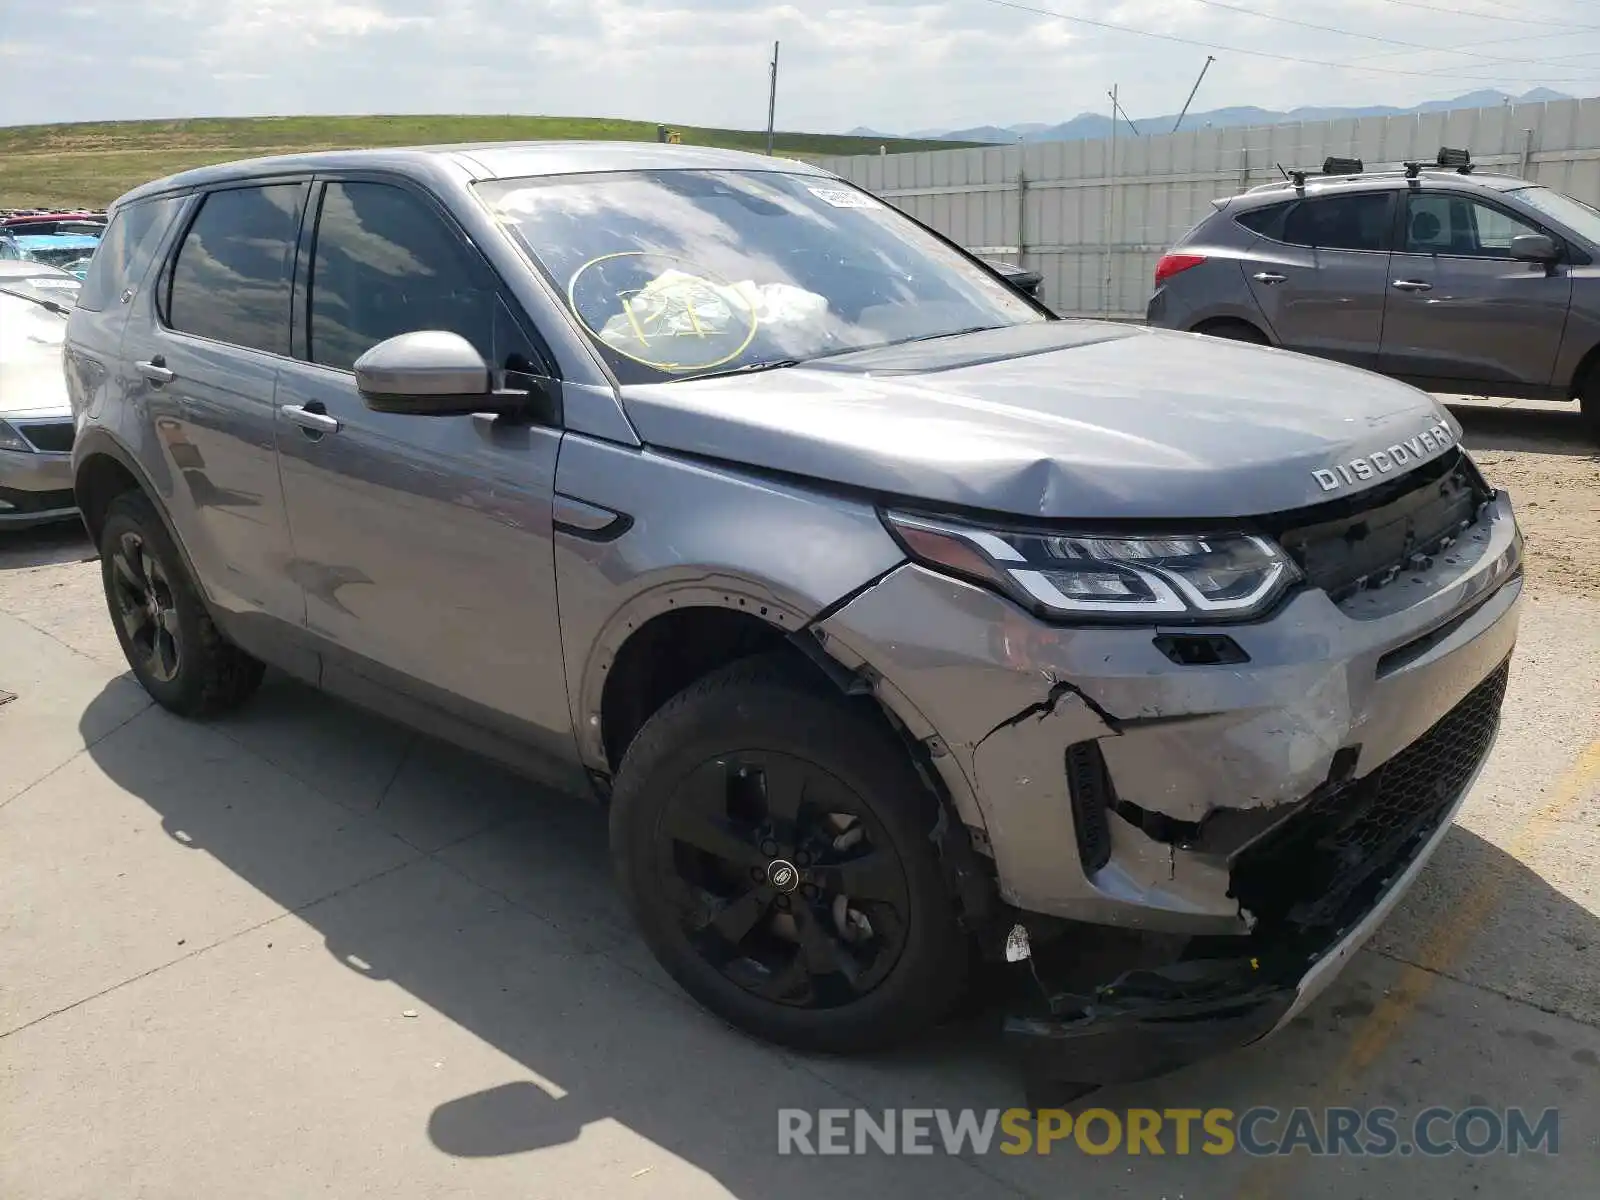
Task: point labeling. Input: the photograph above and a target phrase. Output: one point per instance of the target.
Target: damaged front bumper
(1267, 799)
(1226, 993)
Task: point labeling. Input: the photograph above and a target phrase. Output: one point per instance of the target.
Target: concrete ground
(304, 951)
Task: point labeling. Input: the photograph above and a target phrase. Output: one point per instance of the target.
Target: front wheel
(772, 841)
(1589, 405)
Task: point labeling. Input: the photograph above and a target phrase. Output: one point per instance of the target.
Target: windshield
(1579, 218)
(683, 273)
(63, 255)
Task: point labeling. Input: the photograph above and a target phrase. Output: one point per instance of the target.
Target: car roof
(1374, 181)
(487, 160)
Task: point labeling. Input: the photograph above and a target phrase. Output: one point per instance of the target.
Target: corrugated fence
(1093, 217)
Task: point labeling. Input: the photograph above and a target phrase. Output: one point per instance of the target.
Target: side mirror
(1534, 247)
(427, 373)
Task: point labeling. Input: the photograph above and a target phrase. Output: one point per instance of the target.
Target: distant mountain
(1089, 125)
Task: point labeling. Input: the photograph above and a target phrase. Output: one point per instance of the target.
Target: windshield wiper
(748, 368)
(54, 306)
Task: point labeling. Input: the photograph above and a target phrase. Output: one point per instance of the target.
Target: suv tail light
(1171, 264)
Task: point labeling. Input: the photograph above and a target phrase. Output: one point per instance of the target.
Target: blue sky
(895, 65)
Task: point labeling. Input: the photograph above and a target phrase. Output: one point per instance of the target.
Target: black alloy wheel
(783, 880)
(776, 845)
(175, 649)
(143, 600)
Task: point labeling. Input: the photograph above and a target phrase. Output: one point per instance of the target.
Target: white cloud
(893, 64)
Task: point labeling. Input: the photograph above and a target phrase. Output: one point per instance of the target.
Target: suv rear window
(232, 275)
(125, 250)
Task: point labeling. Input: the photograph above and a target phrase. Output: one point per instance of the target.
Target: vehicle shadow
(514, 933)
(44, 545)
(1558, 429)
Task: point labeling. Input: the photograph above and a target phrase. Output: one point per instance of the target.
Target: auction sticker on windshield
(843, 197)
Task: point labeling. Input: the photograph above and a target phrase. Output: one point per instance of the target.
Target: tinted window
(1437, 223)
(1357, 222)
(125, 250)
(1266, 221)
(386, 264)
(231, 278)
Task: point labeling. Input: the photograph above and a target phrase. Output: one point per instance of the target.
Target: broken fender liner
(1148, 1023)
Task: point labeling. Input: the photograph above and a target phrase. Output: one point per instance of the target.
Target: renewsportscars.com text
(1259, 1132)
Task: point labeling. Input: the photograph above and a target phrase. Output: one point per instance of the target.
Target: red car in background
(51, 222)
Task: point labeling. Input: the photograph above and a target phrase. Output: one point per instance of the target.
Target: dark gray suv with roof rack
(1450, 279)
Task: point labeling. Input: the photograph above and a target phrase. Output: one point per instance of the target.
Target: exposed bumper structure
(1271, 799)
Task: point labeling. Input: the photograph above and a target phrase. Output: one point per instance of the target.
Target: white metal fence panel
(1093, 217)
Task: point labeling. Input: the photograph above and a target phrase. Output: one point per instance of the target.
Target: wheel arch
(1586, 370)
(662, 641)
(102, 470)
(1211, 324)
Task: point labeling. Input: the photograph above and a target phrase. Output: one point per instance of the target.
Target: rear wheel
(170, 641)
(772, 841)
(1233, 331)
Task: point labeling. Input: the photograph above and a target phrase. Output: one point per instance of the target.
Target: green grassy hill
(92, 164)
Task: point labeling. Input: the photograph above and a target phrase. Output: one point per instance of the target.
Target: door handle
(1411, 285)
(155, 370)
(309, 419)
(1268, 277)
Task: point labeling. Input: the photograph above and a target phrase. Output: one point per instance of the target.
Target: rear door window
(1360, 221)
(125, 250)
(232, 276)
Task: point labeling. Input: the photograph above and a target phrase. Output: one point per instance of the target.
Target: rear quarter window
(125, 250)
(1266, 220)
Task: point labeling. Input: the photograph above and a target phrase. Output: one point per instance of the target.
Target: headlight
(1106, 577)
(10, 439)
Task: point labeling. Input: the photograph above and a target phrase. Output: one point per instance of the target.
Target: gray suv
(1456, 282)
(900, 624)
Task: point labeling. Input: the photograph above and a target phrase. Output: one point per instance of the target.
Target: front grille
(52, 437)
(14, 501)
(1366, 541)
(1308, 871)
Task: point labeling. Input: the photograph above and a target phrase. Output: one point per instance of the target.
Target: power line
(1367, 37)
(1288, 58)
(1527, 37)
(1469, 12)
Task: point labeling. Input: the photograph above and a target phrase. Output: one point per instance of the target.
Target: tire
(176, 651)
(820, 967)
(1589, 404)
(1234, 331)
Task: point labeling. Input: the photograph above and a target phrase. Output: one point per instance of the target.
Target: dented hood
(1077, 419)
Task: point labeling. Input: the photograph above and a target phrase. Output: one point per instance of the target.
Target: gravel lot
(303, 951)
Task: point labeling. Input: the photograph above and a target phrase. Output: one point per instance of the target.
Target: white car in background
(36, 427)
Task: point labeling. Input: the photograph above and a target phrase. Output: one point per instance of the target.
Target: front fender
(701, 535)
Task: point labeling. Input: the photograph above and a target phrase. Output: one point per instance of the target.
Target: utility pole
(1210, 58)
(772, 96)
(1111, 195)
